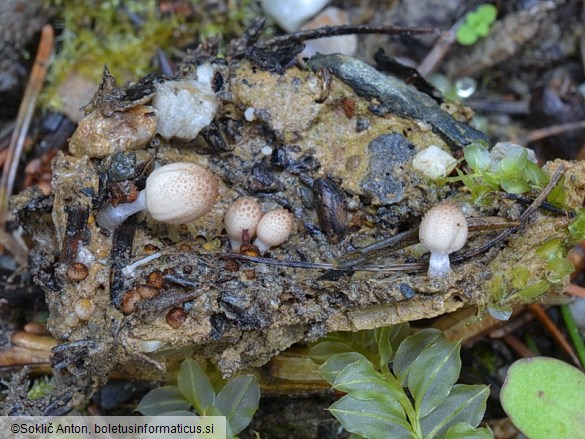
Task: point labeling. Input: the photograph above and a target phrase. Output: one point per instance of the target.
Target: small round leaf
(545, 398)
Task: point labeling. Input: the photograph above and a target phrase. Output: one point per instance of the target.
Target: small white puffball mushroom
(273, 229)
(442, 231)
(433, 162)
(176, 193)
(243, 214)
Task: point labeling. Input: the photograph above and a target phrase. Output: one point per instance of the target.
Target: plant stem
(574, 333)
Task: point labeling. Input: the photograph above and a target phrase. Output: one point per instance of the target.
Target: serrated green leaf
(462, 430)
(432, 374)
(238, 400)
(513, 162)
(195, 386)
(370, 419)
(464, 404)
(545, 398)
(362, 381)
(162, 400)
(409, 349)
(388, 340)
(332, 367)
(477, 157)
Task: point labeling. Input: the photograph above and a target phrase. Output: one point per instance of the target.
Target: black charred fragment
(397, 97)
(109, 98)
(263, 180)
(77, 217)
(274, 58)
(331, 208)
(121, 254)
(212, 135)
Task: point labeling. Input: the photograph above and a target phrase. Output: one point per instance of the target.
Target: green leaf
(558, 269)
(536, 175)
(477, 157)
(409, 349)
(388, 340)
(551, 249)
(238, 401)
(333, 367)
(340, 342)
(432, 374)
(362, 381)
(545, 398)
(371, 419)
(482, 29)
(194, 384)
(520, 276)
(534, 290)
(466, 35)
(162, 400)
(558, 195)
(513, 162)
(462, 430)
(464, 404)
(499, 312)
(513, 185)
(488, 13)
(577, 226)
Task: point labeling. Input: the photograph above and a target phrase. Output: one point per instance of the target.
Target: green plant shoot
(477, 24)
(377, 403)
(237, 399)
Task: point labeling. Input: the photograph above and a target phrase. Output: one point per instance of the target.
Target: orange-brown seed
(129, 302)
(156, 280)
(147, 291)
(175, 317)
(250, 274)
(150, 249)
(231, 265)
(185, 248)
(77, 271)
(170, 271)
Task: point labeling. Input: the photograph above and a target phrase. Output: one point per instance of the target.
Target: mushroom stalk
(439, 265)
(110, 217)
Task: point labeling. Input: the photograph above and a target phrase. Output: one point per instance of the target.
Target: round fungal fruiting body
(176, 193)
(442, 231)
(273, 229)
(243, 214)
(77, 271)
(175, 317)
(83, 308)
(130, 301)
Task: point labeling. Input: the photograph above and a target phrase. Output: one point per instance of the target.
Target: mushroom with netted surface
(176, 193)
(242, 216)
(273, 229)
(443, 230)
